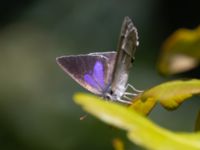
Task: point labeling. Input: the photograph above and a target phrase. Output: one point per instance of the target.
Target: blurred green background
(36, 106)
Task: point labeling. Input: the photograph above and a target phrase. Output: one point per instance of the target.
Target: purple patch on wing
(98, 74)
(91, 81)
(96, 79)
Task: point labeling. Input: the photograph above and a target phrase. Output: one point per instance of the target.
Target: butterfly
(106, 73)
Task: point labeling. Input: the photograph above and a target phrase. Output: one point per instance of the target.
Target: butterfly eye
(107, 96)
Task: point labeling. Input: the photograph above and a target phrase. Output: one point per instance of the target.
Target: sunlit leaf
(140, 130)
(180, 52)
(143, 107)
(172, 94)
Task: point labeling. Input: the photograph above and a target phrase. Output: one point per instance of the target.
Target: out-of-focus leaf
(172, 94)
(197, 124)
(140, 130)
(180, 52)
(118, 144)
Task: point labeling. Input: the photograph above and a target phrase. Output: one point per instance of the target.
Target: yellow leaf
(118, 144)
(180, 52)
(143, 107)
(172, 94)
(140, 130)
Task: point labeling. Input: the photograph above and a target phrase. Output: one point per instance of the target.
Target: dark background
(36, 106)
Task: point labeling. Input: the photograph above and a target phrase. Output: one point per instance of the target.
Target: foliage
(180, 52)
(140, 130)
(170, 95)
(118, 144)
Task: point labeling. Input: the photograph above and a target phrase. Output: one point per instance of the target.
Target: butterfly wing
(92, 71)
(128, 41)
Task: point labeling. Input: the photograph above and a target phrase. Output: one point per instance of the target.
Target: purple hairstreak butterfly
(106, 73)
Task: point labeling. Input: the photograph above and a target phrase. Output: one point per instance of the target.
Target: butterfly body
(105, 73)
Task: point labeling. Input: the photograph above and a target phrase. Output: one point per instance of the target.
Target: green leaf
(180, 52)
(172, 94)
(140, 130)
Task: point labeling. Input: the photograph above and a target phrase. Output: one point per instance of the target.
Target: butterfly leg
(125, 101)
(127, 98)
(133, 88)
(110, 98)
(129, 95)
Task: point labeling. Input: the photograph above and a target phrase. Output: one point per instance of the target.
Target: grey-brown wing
(92, 71)
(128, 41)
